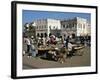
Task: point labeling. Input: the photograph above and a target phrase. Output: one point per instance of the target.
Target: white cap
(31, 36)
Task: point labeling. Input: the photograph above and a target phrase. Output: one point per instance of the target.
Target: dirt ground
(74, 61)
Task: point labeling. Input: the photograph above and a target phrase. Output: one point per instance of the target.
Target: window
(70, 26)
(42, 27)
(41, 35)
(37, 27)
(45, 34)
(73, 25)
(50, 27)
(83, 26)
(53, 27)
(38, 35)
(66, 26)
(63, 26)
(80, 25)
(45, 27)
(57, 27)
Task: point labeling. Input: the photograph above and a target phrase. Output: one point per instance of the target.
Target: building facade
(88, 28)
(77, 26)
(45, 26)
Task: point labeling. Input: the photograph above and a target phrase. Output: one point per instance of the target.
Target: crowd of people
(29, 47)
(31, 44)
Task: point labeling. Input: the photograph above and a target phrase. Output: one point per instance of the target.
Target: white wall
(5, 40)
(55, 24)
(81, 30)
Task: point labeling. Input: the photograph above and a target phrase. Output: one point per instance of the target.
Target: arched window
(50, 27)
(41, 35)
(38, 35)
(83, 26)
(37, 27)
(63, 26)
(45, 34)
(45, 26)
(53, 27)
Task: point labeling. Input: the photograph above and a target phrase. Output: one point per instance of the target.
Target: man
(32, 40)
(67, 40)
(71, 48)
(28, 44)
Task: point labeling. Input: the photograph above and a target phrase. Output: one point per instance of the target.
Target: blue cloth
(33, 51)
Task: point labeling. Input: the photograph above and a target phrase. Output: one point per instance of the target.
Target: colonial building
(77, 26)
(45, 26)
(88, 28)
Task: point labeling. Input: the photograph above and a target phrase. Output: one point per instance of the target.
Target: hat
(32, 37)
(56, 48)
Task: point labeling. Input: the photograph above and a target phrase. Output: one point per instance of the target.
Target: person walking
(64, 41)
(28, 44)
(33, 51)
(67, 40)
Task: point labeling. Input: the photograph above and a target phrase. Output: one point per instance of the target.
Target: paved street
(74, 61)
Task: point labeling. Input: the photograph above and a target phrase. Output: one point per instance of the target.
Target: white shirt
(44, 41)
(28, 41)
(70, 46)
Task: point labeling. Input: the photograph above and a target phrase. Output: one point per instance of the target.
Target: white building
(44, 26)
(77, 26)
(88, 28)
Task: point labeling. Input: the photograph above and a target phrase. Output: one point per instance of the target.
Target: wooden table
(78, 50)
(43, 51)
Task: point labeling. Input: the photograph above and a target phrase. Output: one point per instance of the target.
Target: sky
(29, 16)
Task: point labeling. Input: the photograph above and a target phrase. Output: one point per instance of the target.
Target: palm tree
(26, 26)
(32, 29)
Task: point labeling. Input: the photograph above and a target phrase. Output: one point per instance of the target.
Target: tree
(26, 26)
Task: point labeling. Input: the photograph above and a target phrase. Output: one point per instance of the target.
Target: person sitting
(61, 55)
